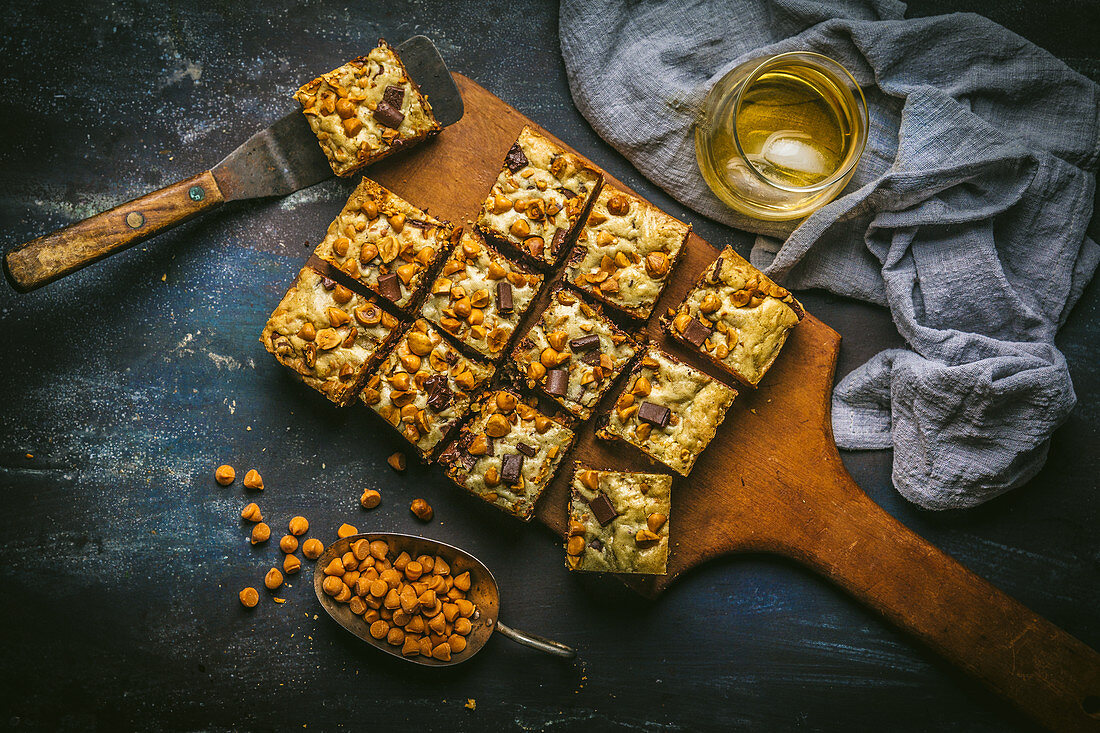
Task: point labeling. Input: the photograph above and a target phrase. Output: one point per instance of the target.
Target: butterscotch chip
(313, 548)
(225, 475)
(370, 499)
(288, 544)
(397, 461)
(249, 597)
(252, 513)
(298, 526)
(346, 530)
(421, 510)
(252, 480)
(291, 564)
(260, 533)
(273, 579)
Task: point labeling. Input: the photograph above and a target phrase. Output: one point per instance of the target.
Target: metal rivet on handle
(197, 193)
(135, 219)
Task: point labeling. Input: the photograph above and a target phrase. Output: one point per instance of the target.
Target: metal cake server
(277, 161)
(483, 593)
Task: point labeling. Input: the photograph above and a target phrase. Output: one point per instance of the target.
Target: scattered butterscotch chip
(312, 548)
(273, 579)
(252, 480)
(370, 499)
(260, 533)
(346, 530)
(299, 526)
(421, 510)
(288, 544)
(249, 597)
(252, 513)
(291, 564)
(397, 461)
(225, 475)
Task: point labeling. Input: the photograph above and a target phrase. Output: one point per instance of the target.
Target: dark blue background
(120, 559)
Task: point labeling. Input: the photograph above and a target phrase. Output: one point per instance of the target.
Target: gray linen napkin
(966, 216)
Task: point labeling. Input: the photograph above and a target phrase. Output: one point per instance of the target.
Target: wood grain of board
(772, 479)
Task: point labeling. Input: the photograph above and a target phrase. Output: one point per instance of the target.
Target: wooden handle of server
(52, 256)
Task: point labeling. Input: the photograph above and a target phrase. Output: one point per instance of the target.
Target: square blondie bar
(425, 387)
(480, 296)
(572, 354)
(668, 410)
(538, 199)
(365, 110)
(329, 336)
(618, 522)
(736, 317)
(386, 243)
(507, 453)
(625, 252)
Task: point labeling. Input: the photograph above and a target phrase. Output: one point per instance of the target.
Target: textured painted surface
(130, 381)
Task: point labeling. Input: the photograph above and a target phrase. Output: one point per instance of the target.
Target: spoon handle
(537, 642)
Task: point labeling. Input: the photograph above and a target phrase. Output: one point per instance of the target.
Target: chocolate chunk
(527, 450)
(595, 544)
(419, 224)
(568, 194)
(557, 380)
(504, 297)
(394, 96)
(557, 242)
(439, 392)
(468, 460)
(591, 358)
(511, 468)
(584, 342)
(389, 287)
(716, 273)
(654, 414)
(695, 333)
(388, 115)
(327, 284)
(451, 357)
(603, 509)
(515, 159)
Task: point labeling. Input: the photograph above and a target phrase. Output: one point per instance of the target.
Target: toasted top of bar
(746, 313)
(343, 109)
(627, 542)
(626, 251)
(466, 300)
(539, 196)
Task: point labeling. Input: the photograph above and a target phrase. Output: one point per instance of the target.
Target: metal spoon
(483, 593)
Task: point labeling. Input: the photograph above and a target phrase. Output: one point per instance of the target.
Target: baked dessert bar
(668, 410)
(328, 335)
(365, 110)
(618, 522)
(480, 296)
(386, 243)
(507, 453)
(625, 252)
(425, 387)
(538, 199)
(737, 317)
(572, 353)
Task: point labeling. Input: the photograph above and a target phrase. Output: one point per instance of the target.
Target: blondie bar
(328, 335)
(425, 387)
(625, 252)
(668, 410)
(507, 453)
(365, 110)
(737, 317)
(618, 522)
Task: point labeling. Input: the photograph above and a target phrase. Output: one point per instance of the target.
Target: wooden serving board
(772, 480)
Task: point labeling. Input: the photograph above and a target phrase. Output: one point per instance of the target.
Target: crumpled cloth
(966, 216)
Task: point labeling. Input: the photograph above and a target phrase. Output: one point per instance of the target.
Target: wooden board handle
(1050, 675)
(53, 256)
